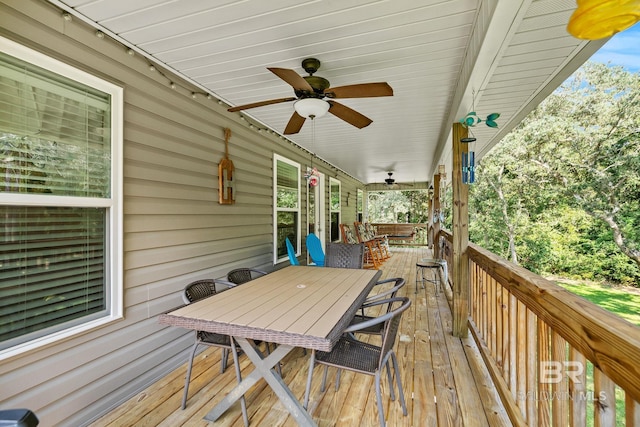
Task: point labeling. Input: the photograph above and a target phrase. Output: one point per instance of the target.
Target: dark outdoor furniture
(18, 418)
(362, 357)
(197, 291)
(372, 301)
(244, 275)
(344, 255)
(314, 305)
(430, 264)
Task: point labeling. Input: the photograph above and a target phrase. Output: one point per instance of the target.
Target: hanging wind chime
(468, 163)
(469, 156)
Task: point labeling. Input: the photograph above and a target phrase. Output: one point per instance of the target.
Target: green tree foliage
(398, 206)
(561, 193)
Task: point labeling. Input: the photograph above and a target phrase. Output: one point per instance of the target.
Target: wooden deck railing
(556, 359)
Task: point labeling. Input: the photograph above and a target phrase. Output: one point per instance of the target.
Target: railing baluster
(492, 317)
(543, 389)
(513, 326)
(499, 326)
(632, 412)
(506, 334)
(578, 390)
(559, 398)
(604, 400)
(521, 360)
(532, 366)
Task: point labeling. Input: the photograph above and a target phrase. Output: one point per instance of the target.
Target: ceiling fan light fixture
(390, 181)
(311, 108)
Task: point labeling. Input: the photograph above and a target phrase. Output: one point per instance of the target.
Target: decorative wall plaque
(226, 171)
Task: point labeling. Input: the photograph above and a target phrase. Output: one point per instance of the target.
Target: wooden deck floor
(443, 379)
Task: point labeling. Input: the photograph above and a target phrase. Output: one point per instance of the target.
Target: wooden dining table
(297, 306)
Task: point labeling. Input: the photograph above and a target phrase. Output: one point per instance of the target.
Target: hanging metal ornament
(468, 163)
(472, 119)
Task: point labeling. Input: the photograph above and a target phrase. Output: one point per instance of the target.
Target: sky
(622, 49)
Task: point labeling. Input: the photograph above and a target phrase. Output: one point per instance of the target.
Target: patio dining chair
(197, 291)
(314, 246)
(371, 301)
(239, 276)
(344, 255)
(362, 357)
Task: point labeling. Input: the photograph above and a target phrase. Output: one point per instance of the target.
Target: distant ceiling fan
(314, 97)
(390, 181)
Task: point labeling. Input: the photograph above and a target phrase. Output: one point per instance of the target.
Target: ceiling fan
(314, 97)
(390, 181)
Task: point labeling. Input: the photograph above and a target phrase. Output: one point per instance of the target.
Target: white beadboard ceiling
(441, 57)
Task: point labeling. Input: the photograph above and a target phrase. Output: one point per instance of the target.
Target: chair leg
(399, 383)
(379, 399)
(338, 379)
(224, 360)
(236, 363)
(188, 377)
(312, 361)
(392, 394)
(324, 378)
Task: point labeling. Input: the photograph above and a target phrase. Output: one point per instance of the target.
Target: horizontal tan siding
(174, 229)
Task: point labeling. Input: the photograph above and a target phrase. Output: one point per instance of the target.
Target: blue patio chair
(292, 253)
(314, 246)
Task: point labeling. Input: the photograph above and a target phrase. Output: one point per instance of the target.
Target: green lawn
(625, 302)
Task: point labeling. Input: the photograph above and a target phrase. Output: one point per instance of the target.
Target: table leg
(263, 369)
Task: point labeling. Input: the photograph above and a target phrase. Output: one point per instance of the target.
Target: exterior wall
(174, 229)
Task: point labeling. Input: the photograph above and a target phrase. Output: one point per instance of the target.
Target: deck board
(443, 377)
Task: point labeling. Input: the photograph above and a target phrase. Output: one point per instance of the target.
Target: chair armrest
(376, 320)
(400, 282)
(226, 283)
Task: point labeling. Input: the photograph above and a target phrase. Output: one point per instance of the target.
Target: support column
(460, 231)
(436, 216)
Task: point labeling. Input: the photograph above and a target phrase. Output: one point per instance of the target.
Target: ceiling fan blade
(363, 90)
(293, 78)
(261, 103)
(295, 124)
(349, 115)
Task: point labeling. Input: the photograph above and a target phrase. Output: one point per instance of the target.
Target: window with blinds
(287, 205)
(56, 200)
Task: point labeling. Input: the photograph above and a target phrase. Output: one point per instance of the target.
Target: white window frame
(276, 209)
(113, 205)
(333, 181)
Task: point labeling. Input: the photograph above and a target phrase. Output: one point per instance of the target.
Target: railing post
(460, 228)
